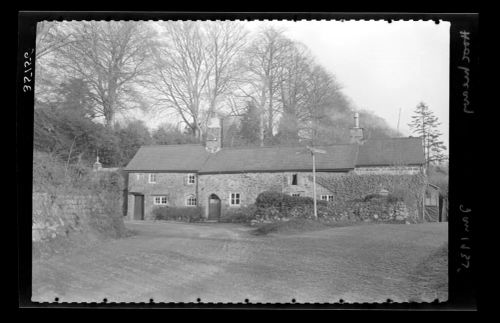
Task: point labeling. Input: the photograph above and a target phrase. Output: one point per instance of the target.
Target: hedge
(185, 213)
(284, 201)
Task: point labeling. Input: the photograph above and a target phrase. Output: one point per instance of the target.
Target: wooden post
(313, 151)
(314, 186)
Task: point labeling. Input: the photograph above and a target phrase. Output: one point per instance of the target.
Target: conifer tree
(250, 125)
(425, 124)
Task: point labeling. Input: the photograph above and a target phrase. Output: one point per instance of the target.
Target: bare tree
(111, 57)
(294, 69)
(262, 63)
(320, 98)
(225, 42)
(182, 71)
(50, 38)
(196, 68)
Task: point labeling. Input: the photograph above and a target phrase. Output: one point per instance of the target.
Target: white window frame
(328, 198)
(191, 197)
(234, 199)
(295, 194)
(152, 175)
(189, 176)
(160, 200)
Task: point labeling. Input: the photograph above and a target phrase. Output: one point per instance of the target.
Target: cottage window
(191, 200)
(328, 198)
(191, 179)
(294, 179)
(160, 200)
(234, 199)
(152, 178)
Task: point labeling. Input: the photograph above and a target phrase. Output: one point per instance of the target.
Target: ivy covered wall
(352, 192)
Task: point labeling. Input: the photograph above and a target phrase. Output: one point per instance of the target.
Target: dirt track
(173, 262)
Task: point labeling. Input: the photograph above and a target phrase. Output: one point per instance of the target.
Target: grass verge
(297, 225)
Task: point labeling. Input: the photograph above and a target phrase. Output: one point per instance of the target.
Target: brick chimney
(357, 136)
(213, 141)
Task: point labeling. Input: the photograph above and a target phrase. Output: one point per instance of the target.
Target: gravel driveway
(174, 262)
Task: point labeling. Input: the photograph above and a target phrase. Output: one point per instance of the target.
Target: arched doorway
(213, 207)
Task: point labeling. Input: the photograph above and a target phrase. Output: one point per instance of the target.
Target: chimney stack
(97, 164)
(357, 136)
(214, 135)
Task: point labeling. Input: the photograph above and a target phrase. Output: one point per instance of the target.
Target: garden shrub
(184, 213)
(48, 173)
(370, 197)
(390, 198)
(284, 201)
(394, 198)
(269, 199)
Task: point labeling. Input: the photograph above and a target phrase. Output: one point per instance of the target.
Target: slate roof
(194, 158)
(393, 151)
(175, 158)
(338, 157)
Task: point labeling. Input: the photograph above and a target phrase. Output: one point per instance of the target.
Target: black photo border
(464, 113)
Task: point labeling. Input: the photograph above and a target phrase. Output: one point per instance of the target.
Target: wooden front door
(214, 207)
(139, 207)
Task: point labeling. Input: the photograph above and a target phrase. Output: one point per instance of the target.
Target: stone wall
(378, 209)
(60, 217)
(374, 210)
(173, 185)
(250, 185)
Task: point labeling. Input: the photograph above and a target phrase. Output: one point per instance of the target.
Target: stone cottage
(218, 178)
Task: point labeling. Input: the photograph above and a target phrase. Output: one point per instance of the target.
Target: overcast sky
(382, 66)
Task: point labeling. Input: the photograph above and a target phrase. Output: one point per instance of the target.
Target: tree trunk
(261, 130)
(109, 109)
(109, 116)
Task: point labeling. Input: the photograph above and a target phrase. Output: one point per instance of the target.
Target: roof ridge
(277, 147)
(171, 145)
(394, 138)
